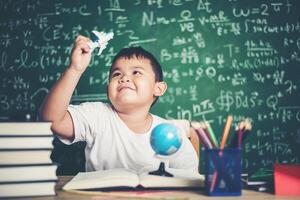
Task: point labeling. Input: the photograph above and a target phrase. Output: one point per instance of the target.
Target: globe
(165, 139)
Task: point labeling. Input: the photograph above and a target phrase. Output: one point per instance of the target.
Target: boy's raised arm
(54, 107)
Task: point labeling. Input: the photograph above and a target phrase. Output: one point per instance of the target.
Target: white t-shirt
(111, 144)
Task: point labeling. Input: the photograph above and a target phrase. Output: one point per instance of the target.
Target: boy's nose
(124, 79)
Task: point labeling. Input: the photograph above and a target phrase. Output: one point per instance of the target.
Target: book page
(25, 128)
(103, 179)
(182, 178)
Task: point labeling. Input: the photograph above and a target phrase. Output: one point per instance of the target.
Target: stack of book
(26, 168)
(262, 183)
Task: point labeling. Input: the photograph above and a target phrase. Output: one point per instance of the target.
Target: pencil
(201, 134)
(213, 181)
(241, 133)
(204, 128)
(212, 134)
(226, 131)
(248, 127)
(222, 145)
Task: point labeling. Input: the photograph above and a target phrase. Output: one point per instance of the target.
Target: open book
(125, 178)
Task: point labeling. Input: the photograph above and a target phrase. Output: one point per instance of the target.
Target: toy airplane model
(101, 41)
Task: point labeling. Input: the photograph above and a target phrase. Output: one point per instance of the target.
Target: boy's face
(132, 83)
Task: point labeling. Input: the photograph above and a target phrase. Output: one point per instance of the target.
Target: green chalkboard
(219, 58)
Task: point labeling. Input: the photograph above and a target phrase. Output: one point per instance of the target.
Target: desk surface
(148, 195)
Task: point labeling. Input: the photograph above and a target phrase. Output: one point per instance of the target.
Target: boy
(117, 135)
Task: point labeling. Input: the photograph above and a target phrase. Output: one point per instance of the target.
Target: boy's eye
(116, 74)
(136, 72)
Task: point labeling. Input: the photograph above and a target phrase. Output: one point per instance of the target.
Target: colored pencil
(226, 131)
(201, 134)
(212, 134)
(222, 145)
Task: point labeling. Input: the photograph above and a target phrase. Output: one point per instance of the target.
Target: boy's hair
(139, 52)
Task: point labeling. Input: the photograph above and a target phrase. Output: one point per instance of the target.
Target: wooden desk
(148, 195)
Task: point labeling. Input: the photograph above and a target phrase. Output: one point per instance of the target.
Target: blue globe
(165, 139)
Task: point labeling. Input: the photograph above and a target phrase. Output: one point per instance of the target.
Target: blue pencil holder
(223, 172)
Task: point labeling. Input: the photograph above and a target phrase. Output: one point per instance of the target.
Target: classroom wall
(219, 58)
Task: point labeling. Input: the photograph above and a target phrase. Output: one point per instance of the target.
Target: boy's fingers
(82, 42)
(82, 39)
(79, 37)
(82, 47)
(86, 49)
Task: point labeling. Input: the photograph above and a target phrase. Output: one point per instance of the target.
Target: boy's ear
(160, 88)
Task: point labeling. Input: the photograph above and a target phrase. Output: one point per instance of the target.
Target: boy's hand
(81, 54)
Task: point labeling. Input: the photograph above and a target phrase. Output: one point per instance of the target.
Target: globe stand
(161, 171)
(165, 140)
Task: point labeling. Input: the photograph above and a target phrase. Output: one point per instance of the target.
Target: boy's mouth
(124, 87)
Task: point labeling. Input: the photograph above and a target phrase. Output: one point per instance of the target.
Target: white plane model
(102, 40)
